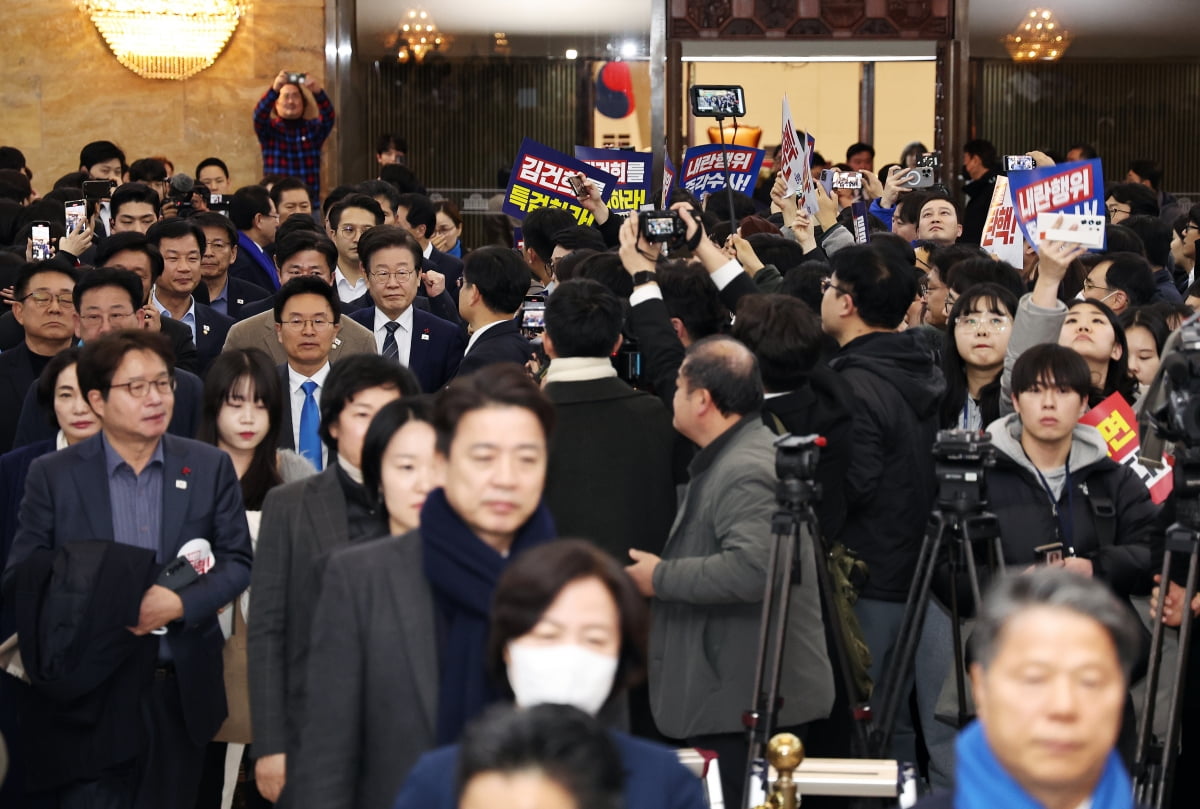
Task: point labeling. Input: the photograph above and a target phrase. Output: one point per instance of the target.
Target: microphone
(182, 186)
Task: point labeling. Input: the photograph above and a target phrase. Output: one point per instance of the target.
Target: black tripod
(795, 467)
(960, 512)
(1154, 764)
(720, 119)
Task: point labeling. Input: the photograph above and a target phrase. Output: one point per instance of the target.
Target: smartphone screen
(76, 214)
(41, 241)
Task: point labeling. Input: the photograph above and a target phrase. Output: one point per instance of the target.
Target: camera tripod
(1154, 763)
(960, 513)
(796, 462)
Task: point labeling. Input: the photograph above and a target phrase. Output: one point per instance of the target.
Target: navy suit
(435, 350)
(16, 377)
(448, 266)
(500, 343)
(212, 328)
(67, 498)
(238, 295)
(254, 265)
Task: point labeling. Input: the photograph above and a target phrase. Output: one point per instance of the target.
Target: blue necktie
(310, 421)
(390, 349)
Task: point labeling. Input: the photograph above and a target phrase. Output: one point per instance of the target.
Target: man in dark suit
(44, 306)
(303, 522)
(223, 293)
(427, 345)
(133, 485)
(494, 283)
(181, 243)
(253, 214)
(416, 214)
(131, 251)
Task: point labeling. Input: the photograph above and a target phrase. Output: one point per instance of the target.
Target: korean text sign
(539, 180)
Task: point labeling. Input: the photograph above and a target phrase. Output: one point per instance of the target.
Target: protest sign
(1001, 235)
(631, 170)
(539, 180)
(668, 182)
(703, 168)
(1074, 188)
(1117, 424)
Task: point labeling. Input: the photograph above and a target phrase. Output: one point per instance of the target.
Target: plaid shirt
(293, 148)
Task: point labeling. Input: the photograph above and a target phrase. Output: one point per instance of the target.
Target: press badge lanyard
(1065, 526)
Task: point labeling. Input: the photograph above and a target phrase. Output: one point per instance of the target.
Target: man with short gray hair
(709, 584)
(1053, 655)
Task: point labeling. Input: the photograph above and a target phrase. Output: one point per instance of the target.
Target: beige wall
(824, 100)
(62, 88)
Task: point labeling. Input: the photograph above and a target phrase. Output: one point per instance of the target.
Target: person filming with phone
(292, 121)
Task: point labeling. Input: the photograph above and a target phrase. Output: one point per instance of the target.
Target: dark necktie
(390, 349)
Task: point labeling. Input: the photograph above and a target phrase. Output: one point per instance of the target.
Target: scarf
(982, 783)
(579, 369)
(462, 571)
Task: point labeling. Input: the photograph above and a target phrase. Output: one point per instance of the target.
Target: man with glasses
(225, 294)
(427, 345)
(149, 494)
(348, 221)
(1121, 280)
(1130, 199)
(307, 321)
(43, 305)
(253, 213)
(303, 254)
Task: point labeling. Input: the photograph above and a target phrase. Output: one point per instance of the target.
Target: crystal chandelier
(416, 35)
(165, 39)
(1038, 38)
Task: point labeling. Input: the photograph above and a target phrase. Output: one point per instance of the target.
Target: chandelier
(165, 39)
(416, 35)
(1038, 38)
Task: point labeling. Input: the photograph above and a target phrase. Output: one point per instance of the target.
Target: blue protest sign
(539, 180)
(1069, 188)
(632, 170)
(703, 170)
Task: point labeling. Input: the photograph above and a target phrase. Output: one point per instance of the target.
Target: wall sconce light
(165, 39)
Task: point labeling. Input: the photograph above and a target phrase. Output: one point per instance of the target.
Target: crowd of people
(302, 506)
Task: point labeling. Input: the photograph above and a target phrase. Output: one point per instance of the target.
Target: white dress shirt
(404, 334)
(295, 380)
(475, 335)
(346, 291)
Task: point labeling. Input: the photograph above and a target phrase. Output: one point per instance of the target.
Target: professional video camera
(960, 458)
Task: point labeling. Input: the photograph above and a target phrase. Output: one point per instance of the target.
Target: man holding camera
(292, 121)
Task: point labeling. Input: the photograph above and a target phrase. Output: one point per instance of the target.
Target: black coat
(890, 484)
(610, 477)
(16, 377)
(500, 343)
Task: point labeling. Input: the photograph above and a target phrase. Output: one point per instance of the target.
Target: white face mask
(563, 674)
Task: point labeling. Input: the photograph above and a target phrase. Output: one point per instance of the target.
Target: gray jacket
(709, 591)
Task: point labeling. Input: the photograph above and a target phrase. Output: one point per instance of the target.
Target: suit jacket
(435, 347)
(610, 477)
(182, 344)
(16, 377)
(11, 333)
(254, 265)
(37, 423)
(212, 328)
(302, 523)
(372, 676)
(501, 343)
(238, 295)
(259, 332)
(442, 306)
(67, 498)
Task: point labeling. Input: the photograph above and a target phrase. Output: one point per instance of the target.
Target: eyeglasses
(351, 230)
(400, 275)
(1190, 226)
(1112, 209)
(826, 283)
(96, 319)
(995, 324)
(140, 387)
(948, 304)
(43, 299)
(298, 323)
(1089, 285)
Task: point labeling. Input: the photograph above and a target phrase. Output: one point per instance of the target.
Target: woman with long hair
(978, 331)
(1146, 332)
(1092, 330)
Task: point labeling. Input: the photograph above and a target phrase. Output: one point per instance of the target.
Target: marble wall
(61, 87)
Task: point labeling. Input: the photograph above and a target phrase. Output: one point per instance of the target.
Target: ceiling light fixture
(1038, 37)
(572, 53)
(416, 36)
(165, 39)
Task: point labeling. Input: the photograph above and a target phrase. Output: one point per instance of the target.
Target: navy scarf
(982, 783)
(462, 570)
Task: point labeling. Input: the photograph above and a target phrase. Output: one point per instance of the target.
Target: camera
(920, 177)
(662, 227)
(796, 456)
(960, 458)
(1018, 162)
(296, 78)
(724, 101)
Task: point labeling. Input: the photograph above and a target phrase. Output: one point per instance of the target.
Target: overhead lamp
(165, 39)
(571, 53)
(1038, 37)
(416, 36)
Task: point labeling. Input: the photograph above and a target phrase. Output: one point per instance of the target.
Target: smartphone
(919, 177)
(847, 179)
(577, 183)
(41, 241)
(533, 319)
(1018, 162)
(725, 101)
(76, 214)
(1049, 554)
(98, 189)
